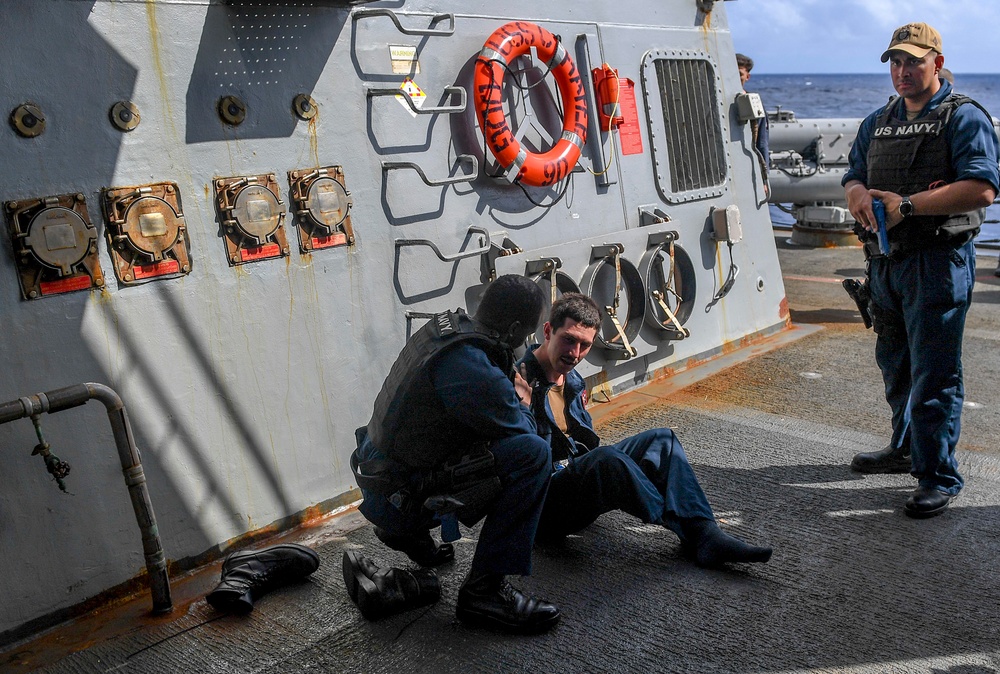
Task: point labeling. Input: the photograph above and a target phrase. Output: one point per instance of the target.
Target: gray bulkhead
(245, 382)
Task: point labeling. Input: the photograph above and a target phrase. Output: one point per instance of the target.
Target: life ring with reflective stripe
(505, 44)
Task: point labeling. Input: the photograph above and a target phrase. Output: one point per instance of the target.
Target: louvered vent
(691, 119)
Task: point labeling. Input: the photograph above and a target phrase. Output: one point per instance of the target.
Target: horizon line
(963, 72)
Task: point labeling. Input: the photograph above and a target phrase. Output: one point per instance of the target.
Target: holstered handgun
(861, 296)
(464, 486)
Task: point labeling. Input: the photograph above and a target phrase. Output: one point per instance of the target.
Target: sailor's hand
(859, 203)
(892, 201)
(522, 387)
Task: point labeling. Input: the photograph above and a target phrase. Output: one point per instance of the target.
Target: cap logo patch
(903, 34)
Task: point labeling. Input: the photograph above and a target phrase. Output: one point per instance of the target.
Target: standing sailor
(930, 155)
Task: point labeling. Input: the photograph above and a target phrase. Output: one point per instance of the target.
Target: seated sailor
(646, 475)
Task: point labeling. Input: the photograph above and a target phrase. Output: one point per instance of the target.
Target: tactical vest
(906, 157)
(409, 423)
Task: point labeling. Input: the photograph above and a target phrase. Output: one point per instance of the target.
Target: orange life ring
(505, 44)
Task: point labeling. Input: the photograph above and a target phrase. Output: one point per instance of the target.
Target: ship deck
(854, 584)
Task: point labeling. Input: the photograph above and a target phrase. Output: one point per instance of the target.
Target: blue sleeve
(858, 157)
(764, 140)
(479, 395)
(974, 148)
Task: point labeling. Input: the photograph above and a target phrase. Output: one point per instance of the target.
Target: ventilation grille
(690, 115)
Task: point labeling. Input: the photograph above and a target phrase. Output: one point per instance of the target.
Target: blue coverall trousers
(919, 304)
(524, 464)
(646, 475)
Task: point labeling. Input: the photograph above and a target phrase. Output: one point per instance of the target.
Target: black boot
(421, 549)
(380, 593)
(249, 574)
(887, 460)
(488, 600)
(356, 565)
(711, 547)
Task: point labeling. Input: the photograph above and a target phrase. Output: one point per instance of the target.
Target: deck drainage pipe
(135, 479)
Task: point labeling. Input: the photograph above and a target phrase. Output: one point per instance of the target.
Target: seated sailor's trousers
(646, 475)
(524, 464)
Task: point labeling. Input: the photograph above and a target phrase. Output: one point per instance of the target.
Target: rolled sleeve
(975, 152)
(478, 395)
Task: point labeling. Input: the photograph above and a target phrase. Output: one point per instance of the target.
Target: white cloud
(815, 36)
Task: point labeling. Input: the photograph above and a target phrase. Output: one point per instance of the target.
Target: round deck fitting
(28, 120)
(124, 115)
(232, 110)
(671, 282)
(602, 284)
(304, 107)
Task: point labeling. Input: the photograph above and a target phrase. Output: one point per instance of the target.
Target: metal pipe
(799, 134)
(808, 188)
(128, 454)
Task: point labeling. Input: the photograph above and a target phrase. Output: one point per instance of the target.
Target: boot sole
(352, 572)
(477, 619)
(369, 599)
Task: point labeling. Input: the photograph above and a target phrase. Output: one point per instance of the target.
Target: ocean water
(855, 96)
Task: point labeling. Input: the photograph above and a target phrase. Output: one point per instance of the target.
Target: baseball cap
(916, 39)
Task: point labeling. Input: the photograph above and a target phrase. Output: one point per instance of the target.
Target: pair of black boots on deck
(249, 574)
(382, 592)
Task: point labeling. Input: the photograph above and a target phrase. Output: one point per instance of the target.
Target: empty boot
(711, 547)
(421, 549)
(249, 574)
(357, 565)
(390, 591)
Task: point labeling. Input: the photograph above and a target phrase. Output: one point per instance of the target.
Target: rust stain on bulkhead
(154, 43)
(314, 140)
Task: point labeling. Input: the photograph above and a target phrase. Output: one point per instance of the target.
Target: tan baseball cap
(917, 39)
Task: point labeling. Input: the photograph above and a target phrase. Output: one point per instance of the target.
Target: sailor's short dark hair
(577, 307)
(508, 299)
(744, 61)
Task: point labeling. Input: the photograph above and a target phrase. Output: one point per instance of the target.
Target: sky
(849, 36)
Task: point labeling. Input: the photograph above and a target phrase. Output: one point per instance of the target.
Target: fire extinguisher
(606, 88)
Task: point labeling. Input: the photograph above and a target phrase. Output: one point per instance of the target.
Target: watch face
(906, 208)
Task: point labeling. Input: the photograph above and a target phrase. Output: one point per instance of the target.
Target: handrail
(443, 109)
(74, 396)
(468, 178)
(379, 11)
(450, 258)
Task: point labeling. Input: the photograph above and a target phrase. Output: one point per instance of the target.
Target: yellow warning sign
(416, 94)
(404, 59)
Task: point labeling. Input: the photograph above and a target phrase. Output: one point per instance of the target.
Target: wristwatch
(906, 207)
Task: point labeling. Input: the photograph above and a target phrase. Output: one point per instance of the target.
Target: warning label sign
(404, 59)
(416, 94)
(628, 133)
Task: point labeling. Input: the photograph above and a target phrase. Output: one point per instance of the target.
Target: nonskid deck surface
(854, 585)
